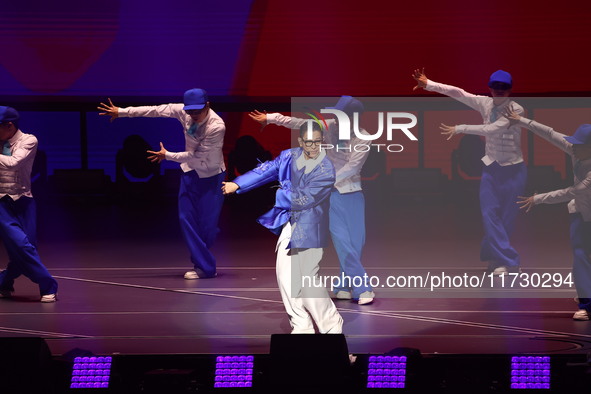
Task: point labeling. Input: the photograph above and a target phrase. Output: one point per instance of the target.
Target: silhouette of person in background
(137, 178)
(132, 159)
(246, 155)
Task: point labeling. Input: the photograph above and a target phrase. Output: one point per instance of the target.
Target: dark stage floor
(120, 266)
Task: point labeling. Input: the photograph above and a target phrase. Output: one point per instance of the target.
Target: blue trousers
(499, 188)
(347, 229)
(580, 238)
(200, 204)
(18, 230)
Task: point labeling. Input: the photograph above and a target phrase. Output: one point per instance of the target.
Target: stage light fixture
(530, 372)
(386, 372)
(91, 372)
(234, 371)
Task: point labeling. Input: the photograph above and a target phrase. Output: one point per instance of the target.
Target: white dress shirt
(347, 161)
(503, 141)
(15, 170)
(203, 149)
(579, 194)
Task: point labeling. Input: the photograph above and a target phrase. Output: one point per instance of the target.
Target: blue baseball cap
(581, 136)
(349, 104)
(8, 114)
(195, 99)
(500, 76)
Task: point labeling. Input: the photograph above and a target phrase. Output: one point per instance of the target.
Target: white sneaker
(581, 315)
(500, 270)
(505, 270)
(343, 295)
(191, 275)
(49, 298)
(194, 275)
(366, 297)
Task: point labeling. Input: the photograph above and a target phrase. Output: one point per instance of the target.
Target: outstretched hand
(258, 116)
(109, 109)
(448, 131)
(511, 115)
(526, 203)
(421, 78)
(229, 187)
(157, 157)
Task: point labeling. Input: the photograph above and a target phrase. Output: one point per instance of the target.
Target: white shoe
(366, 297)
(506, 270)
(191, 275)
(500, 270)
(343, 295)
(49, 298)
(581, 315)
(195, 275)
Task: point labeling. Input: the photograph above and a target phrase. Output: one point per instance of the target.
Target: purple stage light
(530, 372)
(233, 371)
(386, 372)
(91, 372)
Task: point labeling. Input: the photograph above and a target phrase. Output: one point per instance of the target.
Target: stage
(120, 263)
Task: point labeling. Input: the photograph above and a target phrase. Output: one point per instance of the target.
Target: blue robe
(302, 198)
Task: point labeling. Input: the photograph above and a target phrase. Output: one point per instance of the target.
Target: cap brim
(573, 140)
(509, 85)
(194, 106)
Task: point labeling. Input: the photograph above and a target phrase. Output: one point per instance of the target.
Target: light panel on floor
(386, 372)
(234, 371)
(91, 372)
(530, 372)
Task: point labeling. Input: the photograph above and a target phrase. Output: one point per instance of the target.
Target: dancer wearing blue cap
(504, 174)
(17, 209)
(200, 198)
(578, 196)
